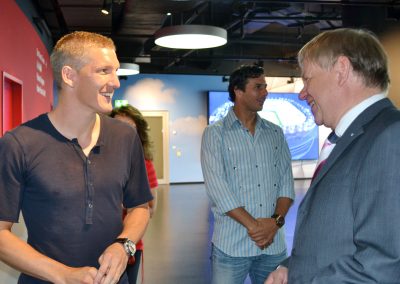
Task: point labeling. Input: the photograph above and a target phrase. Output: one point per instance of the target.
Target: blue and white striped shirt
(242, 170)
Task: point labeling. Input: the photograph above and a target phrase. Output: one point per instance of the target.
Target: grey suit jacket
(348, 227)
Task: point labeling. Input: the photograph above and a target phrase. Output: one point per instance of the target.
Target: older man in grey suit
(347, 229)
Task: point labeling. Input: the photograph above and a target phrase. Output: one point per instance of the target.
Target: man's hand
(113, 262)
(263, 234)
(79, 275)
(279, 276)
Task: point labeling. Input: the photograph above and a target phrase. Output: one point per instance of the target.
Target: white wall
(184, 98)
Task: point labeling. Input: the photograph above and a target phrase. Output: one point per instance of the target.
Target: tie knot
(333, 138)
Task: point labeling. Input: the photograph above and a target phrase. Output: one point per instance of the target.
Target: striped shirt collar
(231, 119)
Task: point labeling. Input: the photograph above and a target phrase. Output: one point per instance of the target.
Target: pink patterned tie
(327, 148)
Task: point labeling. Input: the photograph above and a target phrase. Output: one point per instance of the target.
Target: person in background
(344, 232)
(133, 117)
(247, 171)
(69, 171)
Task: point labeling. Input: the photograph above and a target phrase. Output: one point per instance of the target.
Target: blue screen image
(286, 110)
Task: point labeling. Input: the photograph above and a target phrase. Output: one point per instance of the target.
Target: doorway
(11, 103)
(159, 135)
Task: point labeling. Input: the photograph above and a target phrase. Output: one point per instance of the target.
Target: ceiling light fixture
(127, 69)
(191, 36)
(106, 8)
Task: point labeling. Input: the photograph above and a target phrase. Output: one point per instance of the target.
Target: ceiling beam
(60, 17)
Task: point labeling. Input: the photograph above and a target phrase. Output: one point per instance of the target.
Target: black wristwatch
(129, 246)
(279, 220)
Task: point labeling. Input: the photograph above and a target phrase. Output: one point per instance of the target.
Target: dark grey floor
(177, 241)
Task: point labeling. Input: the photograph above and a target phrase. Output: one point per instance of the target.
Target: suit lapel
(355, 129)
(340, 147)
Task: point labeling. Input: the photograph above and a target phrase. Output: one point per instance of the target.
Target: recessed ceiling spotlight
(106, 8)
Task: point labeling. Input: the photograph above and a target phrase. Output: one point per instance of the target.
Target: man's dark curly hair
(238, 78)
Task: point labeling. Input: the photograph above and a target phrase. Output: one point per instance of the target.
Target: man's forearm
(282, 205)
(22, 257)
(243, 217)
(135, 223)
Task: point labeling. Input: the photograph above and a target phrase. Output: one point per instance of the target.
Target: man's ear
(68, 75)
(342, 69)
(237, 91)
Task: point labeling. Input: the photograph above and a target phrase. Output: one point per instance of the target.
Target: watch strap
(121, 240)
(279, 220)
(128, 245)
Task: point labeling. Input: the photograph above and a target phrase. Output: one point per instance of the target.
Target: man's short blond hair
(361, 47)
(72, 49)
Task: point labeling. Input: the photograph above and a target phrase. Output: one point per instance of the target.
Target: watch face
(280, 221)
(130, 247)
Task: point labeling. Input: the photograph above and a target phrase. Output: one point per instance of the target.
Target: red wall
(24, 57)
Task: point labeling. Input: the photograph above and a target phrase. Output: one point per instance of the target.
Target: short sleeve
(11, 179)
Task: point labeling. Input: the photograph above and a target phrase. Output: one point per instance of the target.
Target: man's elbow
(142, 207)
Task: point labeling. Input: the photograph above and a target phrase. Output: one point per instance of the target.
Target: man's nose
(303, 94)
(115, 82)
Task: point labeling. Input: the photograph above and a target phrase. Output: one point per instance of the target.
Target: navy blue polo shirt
(71, 203)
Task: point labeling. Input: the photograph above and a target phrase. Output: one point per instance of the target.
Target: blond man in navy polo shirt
(69, 171)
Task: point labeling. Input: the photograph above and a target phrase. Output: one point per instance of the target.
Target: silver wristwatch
(129, 246)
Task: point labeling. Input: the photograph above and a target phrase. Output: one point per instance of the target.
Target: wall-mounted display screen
(284, 109)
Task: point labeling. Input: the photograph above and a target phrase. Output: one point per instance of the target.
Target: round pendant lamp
(126, 69)
(191, 36)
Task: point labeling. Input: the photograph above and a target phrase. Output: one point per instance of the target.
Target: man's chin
(106, 109)
(317, 122)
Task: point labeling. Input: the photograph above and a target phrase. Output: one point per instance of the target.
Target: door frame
(15, 83)
(165, 135)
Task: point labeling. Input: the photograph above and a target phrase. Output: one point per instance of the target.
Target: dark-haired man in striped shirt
(247, 170)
